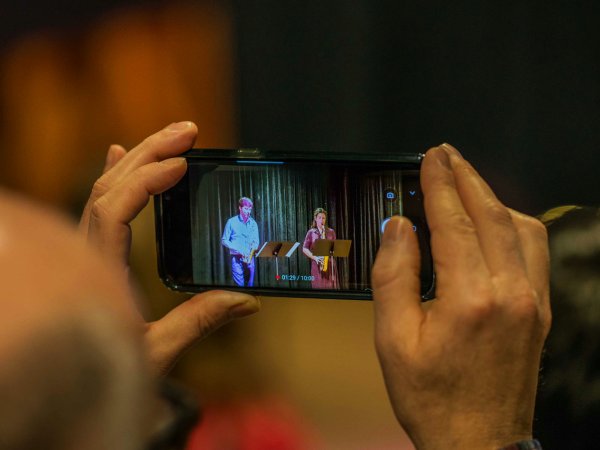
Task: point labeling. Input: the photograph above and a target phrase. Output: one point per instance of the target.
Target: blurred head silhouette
(568, 404)
(73, 373)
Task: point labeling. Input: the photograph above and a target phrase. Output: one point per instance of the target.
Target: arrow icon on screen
(412, 193)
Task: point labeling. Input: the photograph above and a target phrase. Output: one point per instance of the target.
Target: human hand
(319, 260)
(461, 371)
(129, 180)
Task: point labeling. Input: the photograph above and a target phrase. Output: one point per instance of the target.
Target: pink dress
(321, 280)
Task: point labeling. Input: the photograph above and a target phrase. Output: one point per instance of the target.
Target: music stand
(275, 249)
(328, 247)
(339, 248)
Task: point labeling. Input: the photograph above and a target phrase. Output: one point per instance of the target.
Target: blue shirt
(239, 237)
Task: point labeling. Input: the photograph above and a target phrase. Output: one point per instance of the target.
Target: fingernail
(451, 149)
(110, 156)
(174, 162)
(179, 126)
(443, 157)
(392, 231)
(251, 305)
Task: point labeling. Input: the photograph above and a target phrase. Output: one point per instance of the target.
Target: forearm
(226, 244)
(308, 253)
(231, 246)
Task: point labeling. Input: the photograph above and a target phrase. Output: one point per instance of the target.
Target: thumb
(168, 338)
(396, 284)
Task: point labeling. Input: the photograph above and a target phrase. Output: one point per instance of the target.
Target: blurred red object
(269, 424)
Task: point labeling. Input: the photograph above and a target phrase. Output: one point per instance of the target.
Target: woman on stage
(322, 268)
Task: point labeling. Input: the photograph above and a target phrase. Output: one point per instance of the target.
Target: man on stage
(241, 238)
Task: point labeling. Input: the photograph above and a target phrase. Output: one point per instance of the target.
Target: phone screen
(292, 227)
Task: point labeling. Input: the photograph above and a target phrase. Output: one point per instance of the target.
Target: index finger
(168, 142)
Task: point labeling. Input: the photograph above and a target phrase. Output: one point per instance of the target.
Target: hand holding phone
(125, 187)
(461, 371)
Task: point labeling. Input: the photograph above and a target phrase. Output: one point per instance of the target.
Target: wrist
(478, 442)
(472, 435)
(529, 444)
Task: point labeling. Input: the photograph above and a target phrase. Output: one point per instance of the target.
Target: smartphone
(286, 224)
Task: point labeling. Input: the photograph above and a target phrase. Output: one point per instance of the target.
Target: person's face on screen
(320, 220)
(245, 211)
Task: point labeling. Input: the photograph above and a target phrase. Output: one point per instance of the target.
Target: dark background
(513, 85)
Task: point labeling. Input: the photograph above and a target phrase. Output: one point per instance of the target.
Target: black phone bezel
(164, 222)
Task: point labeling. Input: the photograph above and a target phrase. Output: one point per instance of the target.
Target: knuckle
(466, 168)
(545, 317)
(216, 310)
(532, 226)
(482, 311)
(498, 213)
(525, 303)
(100, 210)
(207, 323)
(153, 177)
(459, 223)
(145, 171)
(151, 140)
(522, 302)
(100, 187)
(377, 275)
(441, 180)
(140, 181)
(382, 275)
(484, 305)
(537, 228)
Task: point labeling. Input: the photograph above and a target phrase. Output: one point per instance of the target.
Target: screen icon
(390, 194)
(384, 223)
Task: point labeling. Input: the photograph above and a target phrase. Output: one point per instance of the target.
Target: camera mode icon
(390, 194)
